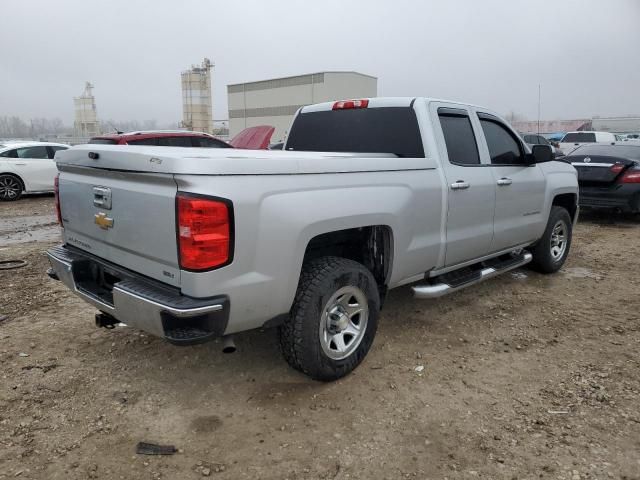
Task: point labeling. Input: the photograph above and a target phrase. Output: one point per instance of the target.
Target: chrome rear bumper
(140, 302)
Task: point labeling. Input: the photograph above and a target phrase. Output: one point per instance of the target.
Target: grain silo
(86, 117)
(197, 113)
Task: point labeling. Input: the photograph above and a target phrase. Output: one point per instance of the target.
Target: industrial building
(197, 111)
(274, 102)
(551, 126)
(85, 123)
(629, 124)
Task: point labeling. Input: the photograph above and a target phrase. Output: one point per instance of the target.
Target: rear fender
(346, 209)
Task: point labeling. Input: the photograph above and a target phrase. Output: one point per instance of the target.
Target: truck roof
(378, 102)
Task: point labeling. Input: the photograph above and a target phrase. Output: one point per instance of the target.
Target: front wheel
(333, 319)
(552, 249)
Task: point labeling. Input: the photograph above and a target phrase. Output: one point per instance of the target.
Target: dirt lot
(525, 376)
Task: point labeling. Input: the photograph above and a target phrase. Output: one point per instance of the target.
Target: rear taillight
(632, 175)
(204, 232)
(617, 167)
(350, 104)
(56, 192)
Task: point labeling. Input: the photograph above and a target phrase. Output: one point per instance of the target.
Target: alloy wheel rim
(9, 187)
(344, 322)
(558, 240)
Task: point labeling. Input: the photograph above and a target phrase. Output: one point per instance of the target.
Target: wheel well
(370, 246)
(568, 201)
(15, 176)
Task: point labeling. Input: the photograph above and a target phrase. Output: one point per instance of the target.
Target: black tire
(320, 281)
(11, 187)
(543, 259)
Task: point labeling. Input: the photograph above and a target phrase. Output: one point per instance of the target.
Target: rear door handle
(505, 181)
(460, 185)
(20, 163)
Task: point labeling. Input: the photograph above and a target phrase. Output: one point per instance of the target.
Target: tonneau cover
(225, 161)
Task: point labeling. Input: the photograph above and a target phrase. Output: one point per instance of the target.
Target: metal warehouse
(274, 102)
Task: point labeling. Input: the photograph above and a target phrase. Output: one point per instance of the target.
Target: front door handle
(505, 181)
(460, 185)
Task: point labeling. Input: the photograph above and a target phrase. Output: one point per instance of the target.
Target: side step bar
(439, 289)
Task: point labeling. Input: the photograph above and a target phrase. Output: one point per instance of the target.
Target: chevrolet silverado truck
(367, 195)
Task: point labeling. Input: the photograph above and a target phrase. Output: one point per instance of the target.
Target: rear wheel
(333, 320)
(552, 249)
(10, 187)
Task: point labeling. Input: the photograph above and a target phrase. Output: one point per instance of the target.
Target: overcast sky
(584, 53)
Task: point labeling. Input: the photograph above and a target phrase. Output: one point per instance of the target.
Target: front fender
(561, 178)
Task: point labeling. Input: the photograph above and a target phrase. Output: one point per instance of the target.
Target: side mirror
(541, 154)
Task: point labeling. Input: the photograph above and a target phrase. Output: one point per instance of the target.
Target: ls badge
(103, 221)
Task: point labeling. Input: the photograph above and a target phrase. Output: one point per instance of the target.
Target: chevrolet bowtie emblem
(102, 220)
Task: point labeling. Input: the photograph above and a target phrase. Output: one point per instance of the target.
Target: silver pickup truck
(367, 195)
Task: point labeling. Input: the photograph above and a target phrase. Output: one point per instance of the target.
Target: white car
(27, 167)
(573, 140)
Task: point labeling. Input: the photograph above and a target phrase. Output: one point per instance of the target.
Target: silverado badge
(102, 220)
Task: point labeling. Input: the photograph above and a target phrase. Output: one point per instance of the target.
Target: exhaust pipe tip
(228, 344)
(104, 320)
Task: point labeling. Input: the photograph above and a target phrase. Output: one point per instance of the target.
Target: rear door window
(33, 152)
(363, 130)
(205, 142)
(181, 141)
(143, 141)
(579, 137)
(460, 140)
(504, 149)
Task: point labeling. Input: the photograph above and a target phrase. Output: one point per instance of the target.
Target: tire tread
(291, 333)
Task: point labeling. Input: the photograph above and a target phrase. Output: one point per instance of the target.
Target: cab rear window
(579, 137)
(364, 130)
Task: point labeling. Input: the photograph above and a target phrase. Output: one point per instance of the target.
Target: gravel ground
(525, 376)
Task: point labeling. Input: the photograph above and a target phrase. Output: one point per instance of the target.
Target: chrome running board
(436, 290)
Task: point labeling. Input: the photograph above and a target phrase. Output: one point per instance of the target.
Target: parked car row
(608, 166)
(607, 163)
(608, 176)
(572, 140)
(28, 167)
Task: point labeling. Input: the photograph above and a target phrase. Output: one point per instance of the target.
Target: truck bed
(214, 161)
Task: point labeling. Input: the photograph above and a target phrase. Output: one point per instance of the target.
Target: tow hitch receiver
(105, 320)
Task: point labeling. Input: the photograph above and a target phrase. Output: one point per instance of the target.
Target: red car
(253, 138)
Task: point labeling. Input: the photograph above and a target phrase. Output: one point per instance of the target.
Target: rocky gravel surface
(525, 376)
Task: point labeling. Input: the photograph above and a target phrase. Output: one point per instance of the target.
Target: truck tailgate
(125, 217)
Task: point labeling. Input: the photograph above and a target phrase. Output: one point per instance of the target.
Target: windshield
(103, 141)
(363, 130)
